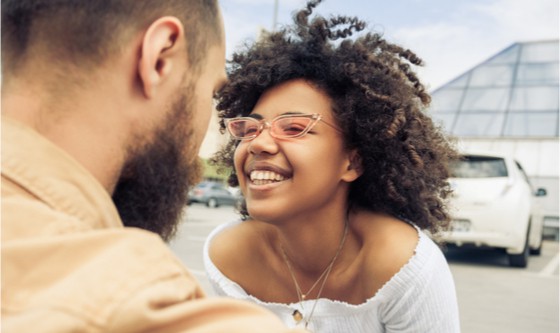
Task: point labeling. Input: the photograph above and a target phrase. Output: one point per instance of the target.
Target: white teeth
(266, 175)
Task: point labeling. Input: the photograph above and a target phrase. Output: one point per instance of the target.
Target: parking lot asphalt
(492, 296)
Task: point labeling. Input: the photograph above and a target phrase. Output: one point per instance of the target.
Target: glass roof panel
(446, 100)
(485, 99)
(497, 75)
(532, 124)
(537, 73)
(507, 56)
(539, 52)
(459, 82)
(479, 124)
(534, 98)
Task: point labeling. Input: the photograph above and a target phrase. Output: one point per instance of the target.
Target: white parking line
(551, 267)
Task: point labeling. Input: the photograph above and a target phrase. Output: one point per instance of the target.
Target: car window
(479, 167)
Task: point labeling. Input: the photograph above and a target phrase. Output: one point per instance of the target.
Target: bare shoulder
(236, 247)
(389, 244)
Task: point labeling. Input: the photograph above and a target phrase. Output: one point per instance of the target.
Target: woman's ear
(354, 168)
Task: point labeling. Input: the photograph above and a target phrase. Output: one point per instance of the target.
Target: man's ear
(162, 43)
(354, 168)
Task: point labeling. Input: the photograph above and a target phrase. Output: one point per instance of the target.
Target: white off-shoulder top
(419, 298)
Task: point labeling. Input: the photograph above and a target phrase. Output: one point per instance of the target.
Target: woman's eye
(294, 129)
(250, 130)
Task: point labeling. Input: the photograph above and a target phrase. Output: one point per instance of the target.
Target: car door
(223, 195)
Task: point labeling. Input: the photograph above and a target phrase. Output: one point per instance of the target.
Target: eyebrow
(255, 116)
(260, 117)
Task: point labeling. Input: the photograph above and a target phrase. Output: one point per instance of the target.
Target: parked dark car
(212, 194)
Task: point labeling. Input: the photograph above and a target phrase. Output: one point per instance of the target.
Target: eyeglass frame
(264, 124)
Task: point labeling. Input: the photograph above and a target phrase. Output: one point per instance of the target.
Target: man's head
(132, 82)
(85, 33)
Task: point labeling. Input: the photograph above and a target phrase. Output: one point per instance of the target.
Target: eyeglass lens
(285, 127)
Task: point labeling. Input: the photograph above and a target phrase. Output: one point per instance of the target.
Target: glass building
(509, 104)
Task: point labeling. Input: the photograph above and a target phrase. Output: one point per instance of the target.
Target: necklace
(298, 316)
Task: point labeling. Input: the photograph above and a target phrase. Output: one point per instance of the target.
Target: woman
(340, 169)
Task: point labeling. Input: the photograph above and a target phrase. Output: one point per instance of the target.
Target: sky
(451, 36)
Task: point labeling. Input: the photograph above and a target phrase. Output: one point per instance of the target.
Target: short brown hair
(378, 101)
(86, 32)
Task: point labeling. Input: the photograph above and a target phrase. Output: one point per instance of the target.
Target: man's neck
(79, 126)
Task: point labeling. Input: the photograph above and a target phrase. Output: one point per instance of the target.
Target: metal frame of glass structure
(514, 94)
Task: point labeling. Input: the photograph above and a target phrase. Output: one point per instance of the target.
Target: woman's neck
(310, 242)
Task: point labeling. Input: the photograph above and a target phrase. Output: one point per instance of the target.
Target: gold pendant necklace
(298, 316)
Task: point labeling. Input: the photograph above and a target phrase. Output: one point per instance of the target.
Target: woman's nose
(263, 143)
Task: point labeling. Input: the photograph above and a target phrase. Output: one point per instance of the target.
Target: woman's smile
(259, 177)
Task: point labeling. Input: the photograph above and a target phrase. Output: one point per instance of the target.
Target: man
(104, 107)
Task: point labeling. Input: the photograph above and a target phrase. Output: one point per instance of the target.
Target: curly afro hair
(378, 102)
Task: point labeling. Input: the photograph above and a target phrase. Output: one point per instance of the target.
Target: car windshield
(479, 167)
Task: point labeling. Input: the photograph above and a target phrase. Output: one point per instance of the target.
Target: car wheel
(537, 251)
(212, 203)
(520, 260)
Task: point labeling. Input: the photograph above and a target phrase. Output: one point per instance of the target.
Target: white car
(493, 205)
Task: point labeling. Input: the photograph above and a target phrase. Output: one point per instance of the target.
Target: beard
(152, 191)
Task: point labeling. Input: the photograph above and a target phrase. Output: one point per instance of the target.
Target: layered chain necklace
(298, 316)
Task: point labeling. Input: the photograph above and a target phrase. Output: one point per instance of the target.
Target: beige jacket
(69, 265)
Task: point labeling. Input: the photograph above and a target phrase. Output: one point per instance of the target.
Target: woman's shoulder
(388, 240)
(228, 246)
(393, 248)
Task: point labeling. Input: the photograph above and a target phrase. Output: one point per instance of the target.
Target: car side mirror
(541, 192)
